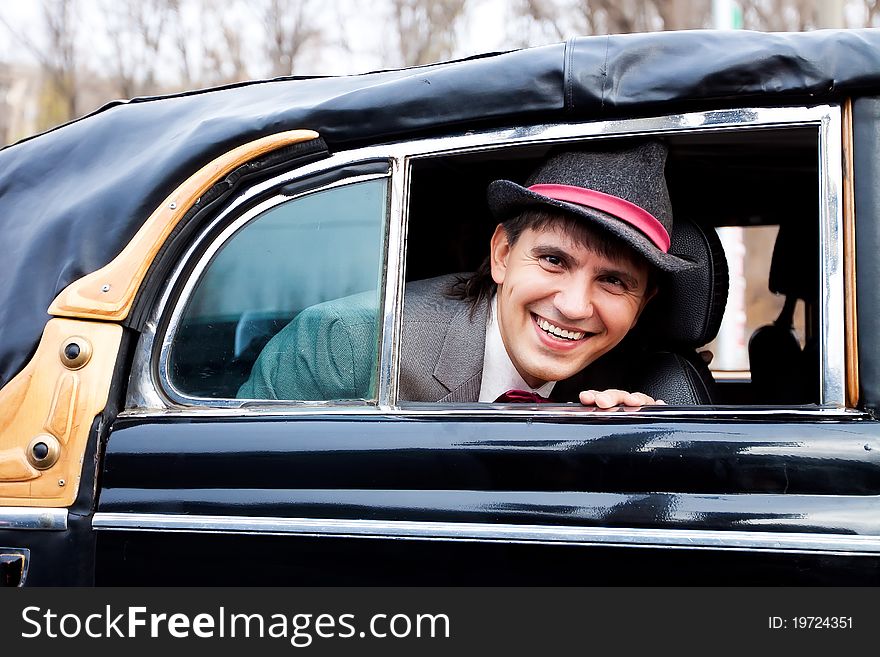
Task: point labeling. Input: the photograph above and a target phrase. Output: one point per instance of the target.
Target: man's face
(560, 305)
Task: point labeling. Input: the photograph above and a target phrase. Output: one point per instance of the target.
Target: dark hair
(479, 286)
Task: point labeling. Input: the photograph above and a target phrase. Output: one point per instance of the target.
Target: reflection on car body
(124, 434)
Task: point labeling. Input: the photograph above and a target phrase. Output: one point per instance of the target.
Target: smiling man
(571, 266)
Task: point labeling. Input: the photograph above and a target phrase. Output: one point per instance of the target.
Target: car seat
(685, 315)
(782, 372)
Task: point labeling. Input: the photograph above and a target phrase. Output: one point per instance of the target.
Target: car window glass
(306, 273)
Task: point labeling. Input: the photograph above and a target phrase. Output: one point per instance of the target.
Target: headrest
(687, 311)
(794, 267)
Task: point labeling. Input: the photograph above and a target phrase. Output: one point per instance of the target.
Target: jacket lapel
(460, 365)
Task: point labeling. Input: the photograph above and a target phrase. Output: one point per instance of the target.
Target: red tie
(522, 396)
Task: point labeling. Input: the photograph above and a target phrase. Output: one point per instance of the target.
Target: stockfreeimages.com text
(300, 629)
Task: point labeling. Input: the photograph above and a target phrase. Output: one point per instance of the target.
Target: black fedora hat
(621, 190)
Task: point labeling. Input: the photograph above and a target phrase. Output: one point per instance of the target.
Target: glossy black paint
(783, 474)
(797, 513)
(627, 473)
(866, 146)
(578, 452)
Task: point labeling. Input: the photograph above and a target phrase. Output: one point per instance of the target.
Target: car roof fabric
(71, 198)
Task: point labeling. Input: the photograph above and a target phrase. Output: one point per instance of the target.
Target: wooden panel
(849, 261)
(50, 400)
(60, 417)
(109, 292)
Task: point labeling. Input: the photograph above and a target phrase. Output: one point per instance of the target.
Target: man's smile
(558, 332)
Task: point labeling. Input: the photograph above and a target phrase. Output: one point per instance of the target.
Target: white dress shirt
(499, 373)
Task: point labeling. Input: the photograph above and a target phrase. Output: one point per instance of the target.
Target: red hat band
(622, 209)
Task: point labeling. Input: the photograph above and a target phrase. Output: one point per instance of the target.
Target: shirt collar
(499, 372)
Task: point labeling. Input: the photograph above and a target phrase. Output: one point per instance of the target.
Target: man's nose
(574, 302)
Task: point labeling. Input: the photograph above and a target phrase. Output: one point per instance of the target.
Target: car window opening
(757, 191)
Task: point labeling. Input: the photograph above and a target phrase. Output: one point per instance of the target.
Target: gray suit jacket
(328, 351)
(442, 344)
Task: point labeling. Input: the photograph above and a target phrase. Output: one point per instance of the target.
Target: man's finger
(609, 398)
(638, 399)
(588, 397)
(614, 397)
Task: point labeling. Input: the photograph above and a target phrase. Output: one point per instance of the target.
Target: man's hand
(613, 397)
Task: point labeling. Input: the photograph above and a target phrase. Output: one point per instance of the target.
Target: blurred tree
(683, 14)
(205, 42)
(57, 58)
(135, 31)
(426, 29)
(566, 18)
(59, 61)
(138, 47)
(543, 16)
(779, 15)
(290, 27)
(182, 45)
(223, 53)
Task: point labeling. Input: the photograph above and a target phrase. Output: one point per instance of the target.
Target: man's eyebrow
(548, 249)
(622, 274)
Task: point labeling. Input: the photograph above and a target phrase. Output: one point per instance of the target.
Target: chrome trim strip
(832, 337)
(472, 531)
(143, 392)
(393, 286)
(33, 518)
(287, 409)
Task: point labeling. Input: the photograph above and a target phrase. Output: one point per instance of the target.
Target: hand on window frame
(613, 397)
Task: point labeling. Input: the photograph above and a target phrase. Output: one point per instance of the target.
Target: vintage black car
(172, 237)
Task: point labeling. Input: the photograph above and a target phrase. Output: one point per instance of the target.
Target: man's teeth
(558, 332)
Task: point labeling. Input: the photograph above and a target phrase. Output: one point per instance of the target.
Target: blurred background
(61, 59)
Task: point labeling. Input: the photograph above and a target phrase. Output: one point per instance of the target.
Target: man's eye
(615, 282)
(556, 261)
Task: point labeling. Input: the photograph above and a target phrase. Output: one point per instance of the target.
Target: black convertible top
(70, 199)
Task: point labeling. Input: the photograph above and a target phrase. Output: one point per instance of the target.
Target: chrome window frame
(148, 391)
(483, 532)
(206, 257)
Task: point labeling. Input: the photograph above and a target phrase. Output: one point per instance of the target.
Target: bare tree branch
(290, 27)
(181, 40)
(683, 14)
(135, 31)
(872, 11)
(57, 59)
(426, 29)
(543, 12)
